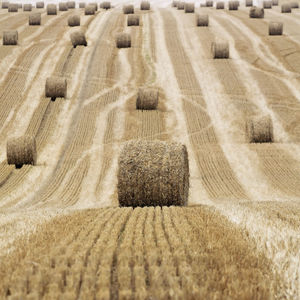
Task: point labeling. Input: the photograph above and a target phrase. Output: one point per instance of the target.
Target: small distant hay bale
(81, 4)
(62, 6)
(286, 8)
(202, 20)
(202, 5)
(123, 40)
(259, 130)
(5, 5)
(13, 7)
(275, 2)
(189, 7)
(220, 49)
(74, 20)
(35, 19)
(105, 5)
(147, 99)
(294, 5)
(275, 28)
(89, 10)
(175, 3)
(78, 38)
(267, 4)
(27, 7)
(40, 4)
(21, 151)
(133, 20)
(71, 4)
(128, 9)
(95, 5)
(56, 87)
(220, 5)
(145, 5)
(256, 12)
(51, 9)
(153, 173)
(20, 5)
(249, 3)
(180, 5)
(233, 5)
(209, 3)
(10, 37)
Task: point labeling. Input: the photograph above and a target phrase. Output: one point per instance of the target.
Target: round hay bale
(256, 12)
(175, 3)
(145, 5)
(27, 7)
(35, 19)
(286, 8)
(233, 5)
(153, 173)
(180, 5)
(20, 5)
(267, 4)
(95, 5)
(81, 4)
(275, 28)
(56, 87)
(71, 4)
(275, 2)
(249, 3)
(259, 130)
(51, 9)
(128, 9)
(189, 7)
(5, 5)
(202, 5)
(209, 3)
(105, 5)
(220, 5)
(40, 4)
(74, 20)
(133, 20)
(62, 6)
(89, 10)
(202, 20)
(294, 5)
(78, 38)
(123, 40)
(12, 7)
(147, 99)
(10, 37)
(21, 151)
(220, 49)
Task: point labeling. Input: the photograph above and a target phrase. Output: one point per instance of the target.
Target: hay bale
(133, 20)
(175, 3)
(220, 5)
(95, 5)
(10, 37)
(21, 151)
(259, 130)
(78, 38)
(202, 20)
(105, 5)
(286, 8)
(27, 7)
(81, 4)
(74, 20)
(233, 5)
(147, 99)
(220, 49)
(89, 10)
(267, 4)
(153, 173)
(256, 12)
(51, 9)
(128, 9)
(35, 19)
(189, 7)
(249, 3)
(62, 6)
(12, 7)
(209, 3)
(20, 5)
(294, 5)
(5, 5)
(275, 2)
(275, 28)
(145, 5)
(123, 40)
(56, 87)
(71, 4)
(180, 5)
(40, 4)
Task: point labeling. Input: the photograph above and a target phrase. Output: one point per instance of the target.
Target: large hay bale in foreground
(10, 37)
(286, 8)
(35, 19)
(267, 4)
(275, 2)
(81, 4)
(233, 5)
(249, 3)
(220, 49)
(51, 9)
(145, 5)
(71, 4)
(133, 20)
(294, 5)
(147, 99)
(105, 5)
(56, 87)
(62, 6)
(128, 9)
(259, 130)
(78, 38)
(12, 7)
(74, 20)
(202, 20)
(21, 151)
(40, 4)
(209, 3)
(220, 5)
(153, 173)
(275, 28)
(123, 40)
(5, 5)
(27, 7)
(89, 10)
(256, 12)
(189, 7)
(180, 5)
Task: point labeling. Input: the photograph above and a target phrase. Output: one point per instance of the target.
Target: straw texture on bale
(12, 7)
(10, 37)
(275, 2)
(202, 20)
(259, 130)
(21, 151)
(62, 6)
(189, 7)
(27, 7)
(145, 5)
(123, 40)
(275, 28)
(249, 3)
(209, 3)
(267, 4)
(175, 3)
(5, 5)
(294, 5)
(128, 9)
(89, 10)
(180, 5)
(78, 38)
(40, 4)
(105, 5)
(51, 9)
(56, 87)
(81, 4)
(286, 8)
(153, 173)
(71, 4)
(35, 19)
(147, 99)
(220, 5)
(74, 20)
(133, 20)
(233, 5)
(256, 12)
(220, 49)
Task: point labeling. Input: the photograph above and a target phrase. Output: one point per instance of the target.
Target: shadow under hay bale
(267, 4)
(89, 10)
(220, 49)
(249, 3)
(12, 7)
(35, 19)
(123, 40)
(147, 99)
(74, 20)
(81, 4)
(189, 7)
(62, 6)
(153, 173)
(286, 8)
(78, 38)
(21, 151)
(51, 9)
(40, 4)
(71, 4)
(294, 5)
(133, 20)
(56, 87)
(10, 38)
(145, 5)
(259, 130)
(128, 9)
(27, 7)
(105, 5)
(202, 20)
(256, 12)
(220, 5)
(233, 5)
(5, 5)
(275, 28)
